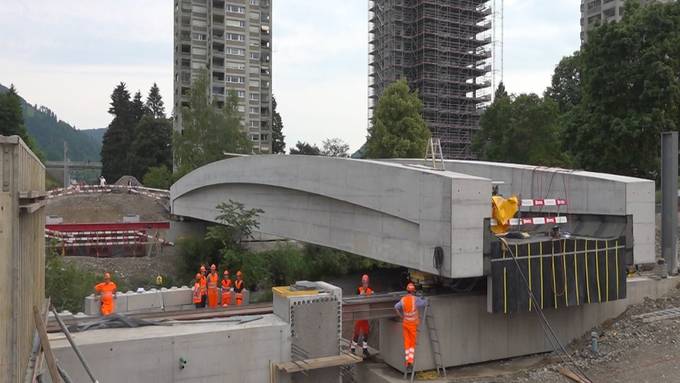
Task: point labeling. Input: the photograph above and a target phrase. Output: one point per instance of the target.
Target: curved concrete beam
(390, 212)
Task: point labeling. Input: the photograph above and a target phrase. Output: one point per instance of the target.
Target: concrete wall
(393, 213)
(469, 334)
(586, 192)
(215, 352)
(172, 299)
(22, 253)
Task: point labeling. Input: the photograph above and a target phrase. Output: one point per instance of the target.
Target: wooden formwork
(22, 253)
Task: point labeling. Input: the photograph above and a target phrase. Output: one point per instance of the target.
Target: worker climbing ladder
(435, 346)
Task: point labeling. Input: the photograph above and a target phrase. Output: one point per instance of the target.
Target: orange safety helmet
(411, 288)
(364, 278)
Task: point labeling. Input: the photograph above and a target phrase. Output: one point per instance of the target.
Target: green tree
(151, 146)
(237, 223)
(159, 177)
(66, 284)
(522, 129)
(631, 92)
(335, 147)
(208, 131)
(139, 108)
(565, 88)
(278, 143)
(12, 119)
(305, 149)
(117, 141)
(398, 129)
(154, 102)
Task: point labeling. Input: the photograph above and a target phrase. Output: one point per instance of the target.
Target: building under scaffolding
(442, 48)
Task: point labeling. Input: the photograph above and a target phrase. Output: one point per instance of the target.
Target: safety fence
(158, 194)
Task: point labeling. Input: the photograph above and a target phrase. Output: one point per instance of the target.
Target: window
(236, 23)
(254, 124)
(254, 2)
(198, 36)
(255, 55)
(198, 51)
(254, 83)
(241, 93)
(235, 79)
(236, 37)
(264, 137)
(235, 51)
(235, 9)
(255, 137)
(254, 110)
(236, 65)
(255, 97)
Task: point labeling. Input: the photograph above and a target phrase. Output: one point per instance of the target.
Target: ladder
(434, 345)
(434, 153)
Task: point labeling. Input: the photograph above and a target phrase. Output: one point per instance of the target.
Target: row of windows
(235, 8)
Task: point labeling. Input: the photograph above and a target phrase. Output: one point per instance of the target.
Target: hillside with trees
(49, 133)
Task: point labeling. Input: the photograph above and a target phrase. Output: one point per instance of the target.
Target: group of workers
(408, 309)
(205, 290)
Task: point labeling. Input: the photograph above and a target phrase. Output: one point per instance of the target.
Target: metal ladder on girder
(435, 346)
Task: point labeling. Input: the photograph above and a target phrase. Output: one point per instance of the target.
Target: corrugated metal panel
(22, 254)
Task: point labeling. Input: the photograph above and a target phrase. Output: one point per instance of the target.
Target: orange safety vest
(197, 293)
(212, 281)
(365, 291)
(203, 283)
(226, 283)
(411, 315)
(106, 291)
(238, 285)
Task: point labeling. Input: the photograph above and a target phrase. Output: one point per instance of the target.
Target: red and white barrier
(544, 202)
(534, 221)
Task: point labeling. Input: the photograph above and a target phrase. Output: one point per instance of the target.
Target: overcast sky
(69, 54)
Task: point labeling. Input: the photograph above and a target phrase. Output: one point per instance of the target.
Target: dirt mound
(105, 207)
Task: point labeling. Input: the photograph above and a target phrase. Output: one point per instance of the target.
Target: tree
(154, 102)
(208, 131)
(631, 92)
(306, 149)
(522, 129)
(565, 88)
(237, 223)
(117, 141)
(278, 143)
(151, 146)
(12, 118)
(335, 147)
(138, 108)
(159, 177)
(398, 129)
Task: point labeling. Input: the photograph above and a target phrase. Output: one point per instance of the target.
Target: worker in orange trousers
(197, 291)
(408, 309)
(107, 293)
(361, 326)
(204, 285)
(239, 286)
(213, 279)
(226, 289)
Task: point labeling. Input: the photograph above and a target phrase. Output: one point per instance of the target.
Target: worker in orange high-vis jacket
(361, 326)
(204, 285)
(239, 286)
(213, 280)
(196, 291)
(107, 293)
(408, 309)
(226, 289)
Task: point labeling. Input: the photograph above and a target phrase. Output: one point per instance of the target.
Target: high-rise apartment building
(232, 40)
(596, 12)
(442, 49)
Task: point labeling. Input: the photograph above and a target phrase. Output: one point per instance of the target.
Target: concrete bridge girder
(389, 212)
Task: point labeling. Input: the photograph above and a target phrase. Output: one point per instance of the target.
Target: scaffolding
(442, 49)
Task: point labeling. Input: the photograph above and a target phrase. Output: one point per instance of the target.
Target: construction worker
(226, 289)
(197, 296)
(204, 286)
(107, 293)
(213, 279)
(361, 326)
(408, 309)
(239, 286)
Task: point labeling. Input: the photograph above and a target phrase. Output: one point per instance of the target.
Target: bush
(159, 177)
(194, 252)
(66, 284)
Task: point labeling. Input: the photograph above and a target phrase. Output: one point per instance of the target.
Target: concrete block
(145, 301)
(91, 305)
(176, 297)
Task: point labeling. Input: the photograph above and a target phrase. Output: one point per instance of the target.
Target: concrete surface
(469, 334)
(390, 212)
(215, 352)
(586, 192)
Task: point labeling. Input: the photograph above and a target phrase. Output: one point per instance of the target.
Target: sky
(69, 55)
